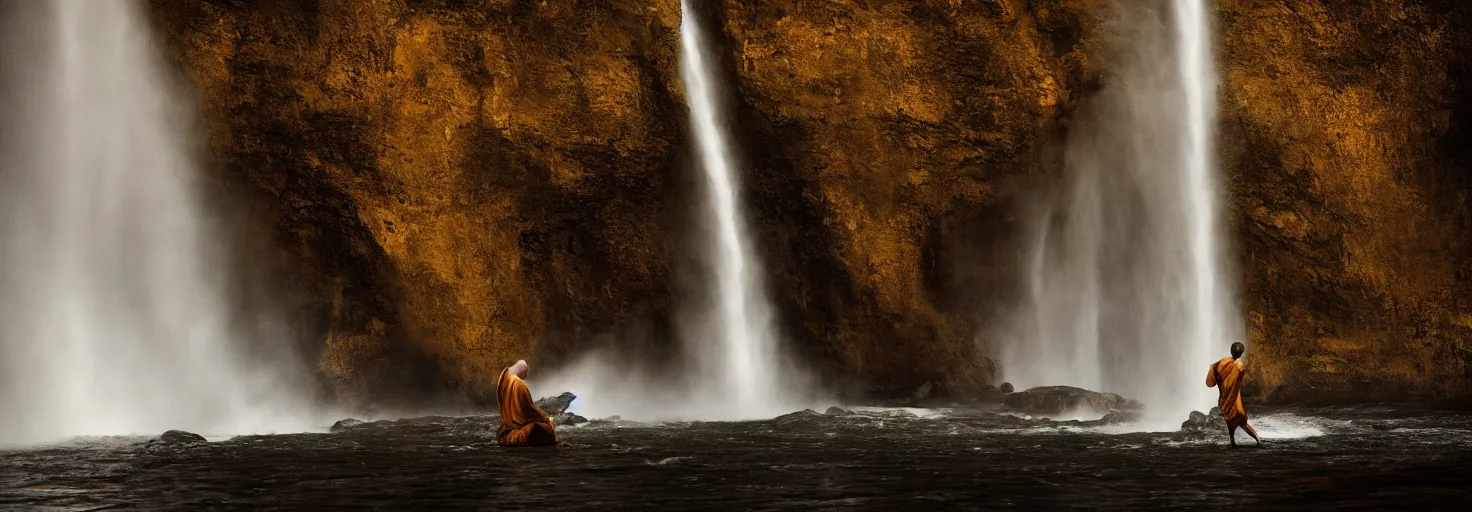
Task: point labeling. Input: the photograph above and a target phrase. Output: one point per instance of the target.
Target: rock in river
(178, 438)
(797, 416)
(344, 425)
(567, 419)
(555, 405)
(1053, 400)
(1210, 422)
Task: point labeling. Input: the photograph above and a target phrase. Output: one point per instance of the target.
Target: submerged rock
(178, 437)
(835, 411)
(555, 405)
(1053, 400)
(344, 425)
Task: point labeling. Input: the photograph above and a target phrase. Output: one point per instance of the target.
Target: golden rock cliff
(1346, 137)
(456, 184)
(456, 187)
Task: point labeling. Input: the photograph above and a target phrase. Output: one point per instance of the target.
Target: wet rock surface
(555, 405)
(568, 419)
(344, 424)
(1055, 400)
(805, 414)
(1211, 421)
(177, 438)
(991, 395)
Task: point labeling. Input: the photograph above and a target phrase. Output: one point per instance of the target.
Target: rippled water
(1373, 457)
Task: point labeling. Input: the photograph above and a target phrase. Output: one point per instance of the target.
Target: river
(1387, 456)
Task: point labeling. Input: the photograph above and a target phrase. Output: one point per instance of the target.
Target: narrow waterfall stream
(734, 342)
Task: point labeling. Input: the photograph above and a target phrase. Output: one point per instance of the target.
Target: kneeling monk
(1226, 375)
(522, 423)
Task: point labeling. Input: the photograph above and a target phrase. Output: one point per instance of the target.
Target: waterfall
(1210, 337)
(734, 343)
(1123, 282)
(116, 316)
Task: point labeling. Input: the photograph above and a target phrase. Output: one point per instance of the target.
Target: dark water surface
(1335, 458)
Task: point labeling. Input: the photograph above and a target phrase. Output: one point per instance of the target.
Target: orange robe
(1226, 376)
(522, 423)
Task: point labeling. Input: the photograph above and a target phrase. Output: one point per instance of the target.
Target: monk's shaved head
(519, 368)
(1237, 350)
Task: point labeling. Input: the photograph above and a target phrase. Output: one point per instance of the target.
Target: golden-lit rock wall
(458, 186)
(457, 183)
(900, 124)
(1347, 143)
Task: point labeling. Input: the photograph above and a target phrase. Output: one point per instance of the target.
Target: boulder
(555, 405)
(1211, 421)
(1054, 400)
(835, 411)
(344, 425)
(797, 416)
(1007, 387)
(177, 438)
(568, 419)
(989, 395)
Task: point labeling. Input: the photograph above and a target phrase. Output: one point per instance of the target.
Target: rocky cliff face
(895, 131)
(456, 184)
(1346, 137)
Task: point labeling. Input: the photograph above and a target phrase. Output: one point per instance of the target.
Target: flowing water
(1124, 289)
(1374, 457)
(114, 315)
(732, 367)
(732, 339)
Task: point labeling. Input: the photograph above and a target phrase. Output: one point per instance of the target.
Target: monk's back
(1226, 374)
(522, 423)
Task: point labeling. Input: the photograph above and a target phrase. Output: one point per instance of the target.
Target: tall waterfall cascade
(1124, 285)
(117, 317)
(734, 343)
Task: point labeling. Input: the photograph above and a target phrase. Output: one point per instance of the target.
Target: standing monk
(522, 423)
(1226, 376)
